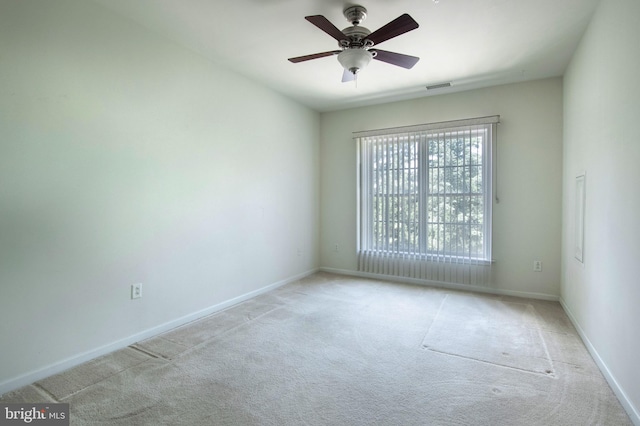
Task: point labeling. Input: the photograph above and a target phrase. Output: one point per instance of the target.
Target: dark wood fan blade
(347, 76)
(400, 25)
(314, 56)
(325, 25)
(404, 61)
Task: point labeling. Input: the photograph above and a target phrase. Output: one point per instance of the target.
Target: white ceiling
(470, 43)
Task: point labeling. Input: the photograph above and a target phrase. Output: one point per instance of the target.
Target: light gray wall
(602, 137)
(124, 159)
(528, 218)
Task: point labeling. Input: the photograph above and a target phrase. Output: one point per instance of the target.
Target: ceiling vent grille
(439, 86)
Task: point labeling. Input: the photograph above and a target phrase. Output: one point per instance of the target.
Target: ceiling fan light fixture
(353, 60)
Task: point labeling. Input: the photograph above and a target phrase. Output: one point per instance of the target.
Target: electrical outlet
(537, 266)
(336, 248)
(136, 291)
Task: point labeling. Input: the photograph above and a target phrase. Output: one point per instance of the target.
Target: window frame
(364, 214)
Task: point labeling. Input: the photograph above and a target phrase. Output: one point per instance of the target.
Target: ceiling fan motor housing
(357, 36)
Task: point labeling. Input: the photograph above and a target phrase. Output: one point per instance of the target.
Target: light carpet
(494, 331)
(334, 350)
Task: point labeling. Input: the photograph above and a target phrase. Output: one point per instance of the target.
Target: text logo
(34, 414)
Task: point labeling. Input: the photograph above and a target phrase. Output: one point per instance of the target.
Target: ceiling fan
(357, 44)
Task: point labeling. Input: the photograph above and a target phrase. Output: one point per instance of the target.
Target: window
(425, 200)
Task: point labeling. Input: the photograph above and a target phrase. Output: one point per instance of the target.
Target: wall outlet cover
(136, 291)
(537, 266)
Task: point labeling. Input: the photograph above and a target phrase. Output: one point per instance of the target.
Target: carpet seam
(551, 375)
(544, 342)
(224, 333)
(146, 352)
(422, 345)
(104, 379)
(41, 389)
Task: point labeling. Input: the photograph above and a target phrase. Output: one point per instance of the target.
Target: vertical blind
(425, 198)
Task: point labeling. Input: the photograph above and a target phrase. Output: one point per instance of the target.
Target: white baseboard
(441, 284)
(65, 364)
(633, 413)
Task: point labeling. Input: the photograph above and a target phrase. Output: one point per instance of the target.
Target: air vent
(439, 86)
